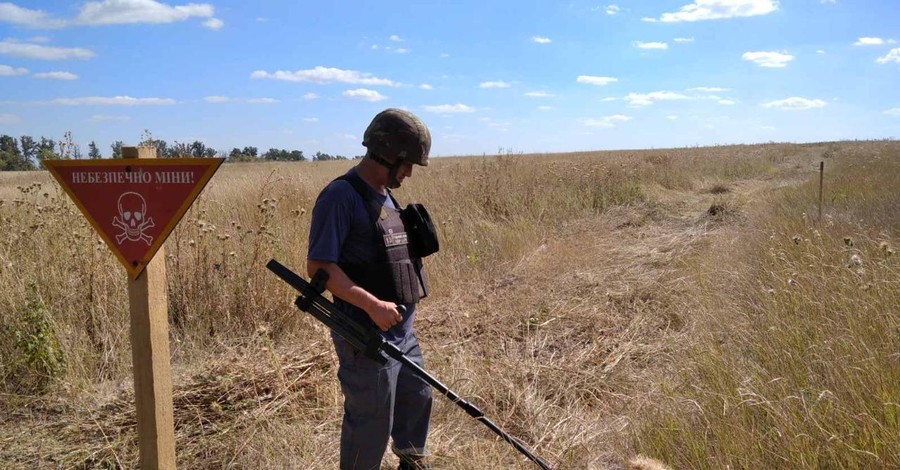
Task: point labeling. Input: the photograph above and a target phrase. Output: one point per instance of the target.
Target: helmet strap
(392, 168)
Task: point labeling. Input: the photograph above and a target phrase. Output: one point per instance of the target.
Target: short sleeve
(331, 219)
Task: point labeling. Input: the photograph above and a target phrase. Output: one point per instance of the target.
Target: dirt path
(624, 273)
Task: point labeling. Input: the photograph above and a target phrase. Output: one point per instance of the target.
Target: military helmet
(397, 132)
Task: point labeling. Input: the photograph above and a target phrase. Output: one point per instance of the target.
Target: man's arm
(384, 314)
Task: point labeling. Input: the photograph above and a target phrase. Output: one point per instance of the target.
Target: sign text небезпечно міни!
(139, 176)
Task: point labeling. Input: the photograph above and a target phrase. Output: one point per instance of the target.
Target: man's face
(405, 171)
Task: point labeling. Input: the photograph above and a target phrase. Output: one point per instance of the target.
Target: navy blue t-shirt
(342, 231)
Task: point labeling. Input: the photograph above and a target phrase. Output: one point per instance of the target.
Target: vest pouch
(423, 240)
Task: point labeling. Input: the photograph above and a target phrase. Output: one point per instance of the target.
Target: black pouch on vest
(423, 240)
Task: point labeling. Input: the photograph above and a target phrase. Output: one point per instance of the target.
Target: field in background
(685, 304)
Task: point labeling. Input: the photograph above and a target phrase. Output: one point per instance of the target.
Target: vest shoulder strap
(365, 192)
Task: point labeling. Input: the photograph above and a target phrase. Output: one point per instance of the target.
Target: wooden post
(821, 183)
(150, 355)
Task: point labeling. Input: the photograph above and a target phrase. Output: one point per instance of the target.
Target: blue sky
(530, 76)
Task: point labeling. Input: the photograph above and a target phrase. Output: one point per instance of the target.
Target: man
(358, 237)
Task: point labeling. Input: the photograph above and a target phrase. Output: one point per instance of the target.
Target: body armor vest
(396, 276)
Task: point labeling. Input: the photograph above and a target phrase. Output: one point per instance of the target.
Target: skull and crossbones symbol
(134, 220)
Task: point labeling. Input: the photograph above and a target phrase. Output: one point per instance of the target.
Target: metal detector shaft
(373, 345)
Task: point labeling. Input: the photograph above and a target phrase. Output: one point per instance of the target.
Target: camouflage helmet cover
(401, 133)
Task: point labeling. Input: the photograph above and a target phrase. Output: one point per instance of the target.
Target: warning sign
(134, 203)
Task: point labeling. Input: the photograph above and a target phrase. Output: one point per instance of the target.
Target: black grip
(286, 275)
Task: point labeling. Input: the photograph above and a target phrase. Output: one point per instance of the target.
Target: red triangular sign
(134, 203)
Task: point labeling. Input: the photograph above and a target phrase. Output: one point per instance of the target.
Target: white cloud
(768, 59)
(11, 13)
(107, 12)
(311, 119)
(540, 40)
(608, 99)
(324, 75)
(893, 56)
(214, 24)
(39, 39)
(426, 86)
(8, 71)
(398, 50)
(672, 117)
(495, 84)
(139, 11)
(892, 112)
(606, 121)
(227, 99)
(365, 95)
(545, 108)
(650, 45)
(449, 109)
(502, 125)
(539, 94)
(9, 118)
(727, 102)
(595, 80)
(795, 103)
(112, 101)
(395, 38)
(718, 9)
(612, 9)
(708, 89)
(646, 99)
(874, 42)
(869, 42)
(57, 75)
(683, 40)
(310, 96)
(36, 51)
(820, 51)
(102, 118)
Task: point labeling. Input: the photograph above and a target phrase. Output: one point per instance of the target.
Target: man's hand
(385, 314)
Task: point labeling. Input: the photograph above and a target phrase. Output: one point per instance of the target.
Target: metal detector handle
(310, 300)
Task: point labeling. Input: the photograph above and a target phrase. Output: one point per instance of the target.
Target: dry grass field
(686, 305)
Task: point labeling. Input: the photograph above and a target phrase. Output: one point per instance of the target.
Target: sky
(485, 76)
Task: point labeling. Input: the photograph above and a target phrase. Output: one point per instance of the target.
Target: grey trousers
(381, 402)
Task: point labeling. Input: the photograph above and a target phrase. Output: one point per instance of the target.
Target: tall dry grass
(489, 211)
(796, 356)
(556, 303)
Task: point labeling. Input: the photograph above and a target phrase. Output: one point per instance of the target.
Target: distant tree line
(27, 153)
